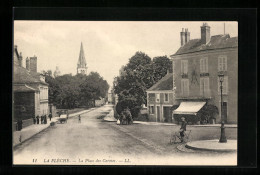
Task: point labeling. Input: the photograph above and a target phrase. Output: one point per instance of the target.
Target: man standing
(34, 120)
(41, 119)
(37, 119)
(183, 128)
(50, 116)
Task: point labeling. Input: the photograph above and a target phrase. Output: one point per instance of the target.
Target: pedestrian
(183, 128)
(45, 119)
(34, 120)
(37, 119)
(50, 116)
(79, 121)
(20, 125)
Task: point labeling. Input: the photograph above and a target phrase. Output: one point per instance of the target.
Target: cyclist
(183, 128)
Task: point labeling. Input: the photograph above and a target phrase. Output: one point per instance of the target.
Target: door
(167, 114)
(158, 113)
(224, 110)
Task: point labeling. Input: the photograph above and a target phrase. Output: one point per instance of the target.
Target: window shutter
(224, 63)
(182, 86)
(186, 67)
(220, 63)
(206, 65)
(182, 67)
(201, 86)
(201, 66)
(206, 86)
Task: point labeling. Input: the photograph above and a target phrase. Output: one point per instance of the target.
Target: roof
(166, 83)
(23, 76)
(23, 88)
(216, 42)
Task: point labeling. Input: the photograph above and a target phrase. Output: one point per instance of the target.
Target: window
(204, 86)
(157, 97)
(151, 109)
(204, 65)
(225, 86)
(166, 97)
(222, 63)
(185, 87)
(184, 66)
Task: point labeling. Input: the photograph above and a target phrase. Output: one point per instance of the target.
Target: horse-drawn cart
(63, 116)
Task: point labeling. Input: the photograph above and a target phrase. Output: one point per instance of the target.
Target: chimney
(205, 33)
(187, 36)
(182, 37)
(20, 59)
(33, 64)
(27, 64)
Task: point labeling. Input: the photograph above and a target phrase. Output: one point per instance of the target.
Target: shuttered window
(185, 87)
(204, 86)
(184, 66)
(204, 65)
(222, 63)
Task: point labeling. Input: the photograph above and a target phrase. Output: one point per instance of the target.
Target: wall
(27, 100)
(151, 100)
(214, 96)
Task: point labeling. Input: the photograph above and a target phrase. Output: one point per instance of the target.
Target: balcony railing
(184, 75)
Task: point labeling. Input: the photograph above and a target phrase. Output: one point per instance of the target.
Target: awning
(189, 108)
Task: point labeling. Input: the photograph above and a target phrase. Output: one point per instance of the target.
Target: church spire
(82, 65)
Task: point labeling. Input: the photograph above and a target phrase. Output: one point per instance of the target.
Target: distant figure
(79, 121)
(37, 119)
(34, 120)
(45, 119)
(50, 116)
(20, 125)
(41, 119)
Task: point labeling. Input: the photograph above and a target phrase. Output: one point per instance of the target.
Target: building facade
(196, 66)
(82, 64)
(30, 91)
(160, 99)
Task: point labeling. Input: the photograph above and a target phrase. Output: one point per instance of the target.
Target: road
(94, 142)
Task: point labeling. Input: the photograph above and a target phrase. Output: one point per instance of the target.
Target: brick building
(160, 99)
(30, 91)
(196, 66)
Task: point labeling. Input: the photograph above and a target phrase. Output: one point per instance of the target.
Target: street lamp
(223, 138)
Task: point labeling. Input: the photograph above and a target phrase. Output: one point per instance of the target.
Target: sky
(107, 45)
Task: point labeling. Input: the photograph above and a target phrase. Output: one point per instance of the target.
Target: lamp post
(223, 138)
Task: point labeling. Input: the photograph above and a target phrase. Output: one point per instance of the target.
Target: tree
(132, 85)
(160, 66)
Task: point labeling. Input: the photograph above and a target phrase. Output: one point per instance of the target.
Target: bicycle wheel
(173, 139)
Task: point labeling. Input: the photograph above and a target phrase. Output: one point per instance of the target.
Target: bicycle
(176, 136)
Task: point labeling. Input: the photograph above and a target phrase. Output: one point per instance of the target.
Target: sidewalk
(27, 132)
(213, 145)
(110, 118)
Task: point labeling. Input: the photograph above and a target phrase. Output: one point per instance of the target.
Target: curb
(207, 149)
(15, 146)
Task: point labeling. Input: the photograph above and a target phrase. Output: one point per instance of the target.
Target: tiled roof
(23, 76)
(23, 88)
(216, 42)
(166, 83)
